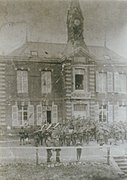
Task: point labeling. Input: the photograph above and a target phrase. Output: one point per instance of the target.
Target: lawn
(70, 171)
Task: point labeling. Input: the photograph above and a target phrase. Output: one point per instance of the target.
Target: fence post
(108, 155)
(37, 156)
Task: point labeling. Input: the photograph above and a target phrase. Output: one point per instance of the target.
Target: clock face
(77, 22)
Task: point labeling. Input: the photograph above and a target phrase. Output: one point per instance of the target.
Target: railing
(64, 154)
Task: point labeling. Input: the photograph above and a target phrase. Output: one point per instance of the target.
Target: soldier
(57, 144)
(74, 138)
(36, 139)
(49, 151)
(68, 139)
(22, 135)
(79, 150)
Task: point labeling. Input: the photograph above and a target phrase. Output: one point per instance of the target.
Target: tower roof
(75, 4)
(75, 27)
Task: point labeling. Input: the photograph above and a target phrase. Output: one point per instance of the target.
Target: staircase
(2, 95)
(122, 163)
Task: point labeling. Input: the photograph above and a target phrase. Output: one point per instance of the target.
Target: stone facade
(49, 82)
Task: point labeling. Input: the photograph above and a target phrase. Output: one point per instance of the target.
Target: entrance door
(49, 117)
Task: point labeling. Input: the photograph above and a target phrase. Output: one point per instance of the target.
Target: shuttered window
(116, 82)
(103, 113)
(116, 112)
(101, 82)
(15, 116)
(122, 113)
(39, 114)
(110, 113)
(96, 111)
(110, 81)
(23, 115)
(122, 83)
(44, 114)
(97, 81)
(54, 113)
(22, 81)
(31, 115)
(46, 85)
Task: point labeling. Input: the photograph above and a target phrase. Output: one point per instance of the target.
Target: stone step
(120, 157)
(123, 168)
(122, 164)
(120, 161)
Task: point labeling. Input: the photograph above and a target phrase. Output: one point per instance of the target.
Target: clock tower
(75, 25)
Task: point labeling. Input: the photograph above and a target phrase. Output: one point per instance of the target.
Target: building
(49, 82)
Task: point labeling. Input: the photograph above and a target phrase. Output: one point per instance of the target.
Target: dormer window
(34, 53)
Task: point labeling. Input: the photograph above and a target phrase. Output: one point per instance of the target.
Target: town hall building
(53, 82)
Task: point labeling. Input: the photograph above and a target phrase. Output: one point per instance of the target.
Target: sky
(45, 21)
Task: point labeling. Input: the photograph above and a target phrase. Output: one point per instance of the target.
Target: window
(110, 81)
(80, 110)
(34, 53)
(22, 81)
(23, 114)
(116, 82)
(122, 113)
(46, 82)
(122, 83)
(102, 82)
(103, 113)
(79, 107)
(79, 81)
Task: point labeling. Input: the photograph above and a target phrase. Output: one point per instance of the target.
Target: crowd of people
(73, 134)
(69, 133)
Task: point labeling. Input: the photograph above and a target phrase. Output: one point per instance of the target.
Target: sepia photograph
(63, 89)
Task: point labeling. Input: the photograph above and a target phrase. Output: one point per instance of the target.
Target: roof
(102, 54)
(55, 50)
(48, 50)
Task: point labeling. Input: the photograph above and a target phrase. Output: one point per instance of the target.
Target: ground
(19, 163)
(77, 171)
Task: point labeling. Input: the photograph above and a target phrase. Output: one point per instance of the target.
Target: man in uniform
(49, 151)
(57, 144)
(22, 136)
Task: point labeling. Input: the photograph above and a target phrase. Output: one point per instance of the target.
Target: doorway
(49, 117)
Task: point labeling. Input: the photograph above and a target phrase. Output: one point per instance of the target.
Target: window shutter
(97, 81)
(39, 114)
(31, 115)
(43, 82)
(122, 113)
(48, 81)
(15, 116)
(54, 114)
(123, 83)
(96, 111)
(44, 114)
(116, 112)
(25, 82)
(110, 81)
(19, 81)
(116, 82)
(110, 113)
